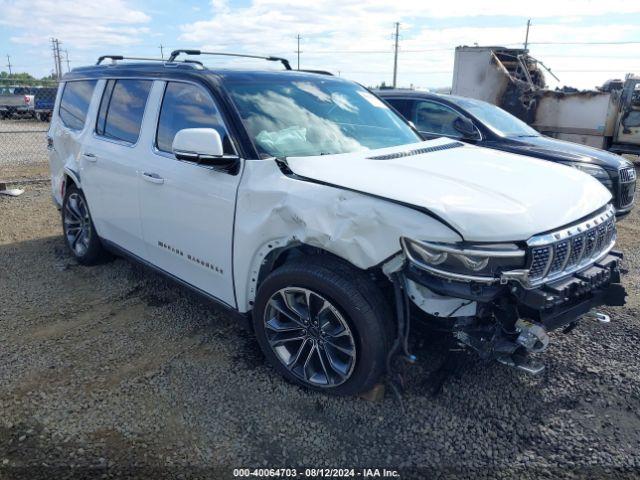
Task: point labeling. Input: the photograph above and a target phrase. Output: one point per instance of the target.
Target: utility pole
(57, 61)
(526, 38)
(298, 51)
(59, 58)
(66, 56)
(161, 51)
(9, 63)
(395, 55)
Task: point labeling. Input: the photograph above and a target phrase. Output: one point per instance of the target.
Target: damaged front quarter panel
(276, 211)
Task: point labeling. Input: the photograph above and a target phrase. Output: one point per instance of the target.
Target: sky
(584, 42)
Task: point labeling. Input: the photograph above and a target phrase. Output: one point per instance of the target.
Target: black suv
(486, 125)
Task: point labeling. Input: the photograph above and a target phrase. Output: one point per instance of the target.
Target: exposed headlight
(595, 171)
(482, 262)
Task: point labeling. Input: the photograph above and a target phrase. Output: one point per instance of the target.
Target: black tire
(77, 226)
(359, 302)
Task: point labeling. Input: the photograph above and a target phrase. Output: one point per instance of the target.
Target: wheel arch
(275, 254)
(68, 176)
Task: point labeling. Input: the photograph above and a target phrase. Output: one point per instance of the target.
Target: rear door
(69, 128)
(187, 210)
(110, 161)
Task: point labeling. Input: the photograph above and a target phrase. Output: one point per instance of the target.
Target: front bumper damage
(506, 321)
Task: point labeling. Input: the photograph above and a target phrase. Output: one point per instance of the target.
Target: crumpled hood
(486, 195)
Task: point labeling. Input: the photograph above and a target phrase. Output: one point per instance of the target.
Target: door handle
(152, 177)
(90, 157)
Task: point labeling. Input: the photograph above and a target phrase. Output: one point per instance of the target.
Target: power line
(623, 42)
(395, 55)
(66, 56)
(161, 51)
(9, 63)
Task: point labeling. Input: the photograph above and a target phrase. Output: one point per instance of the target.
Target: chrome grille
(567, 250)
(559, 256)
(627, 187)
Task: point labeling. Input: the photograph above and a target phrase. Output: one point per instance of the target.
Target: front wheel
(79, 231)
(323, 325)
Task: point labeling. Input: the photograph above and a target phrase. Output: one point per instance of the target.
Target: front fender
(275, 210)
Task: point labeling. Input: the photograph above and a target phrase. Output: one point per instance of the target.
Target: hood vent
(417, 151)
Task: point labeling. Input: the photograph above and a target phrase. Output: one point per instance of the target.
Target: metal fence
(25, 112)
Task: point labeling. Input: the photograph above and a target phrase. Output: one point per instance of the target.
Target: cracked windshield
(301, 117)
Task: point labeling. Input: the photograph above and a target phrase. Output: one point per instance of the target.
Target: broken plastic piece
(12, 192)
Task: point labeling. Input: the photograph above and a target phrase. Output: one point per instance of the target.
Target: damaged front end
(502, 300)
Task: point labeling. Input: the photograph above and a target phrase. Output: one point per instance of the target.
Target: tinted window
(435, 118)
(188, 106)
(122, 108)
(75, 103)
(501, 122)
(402, 106)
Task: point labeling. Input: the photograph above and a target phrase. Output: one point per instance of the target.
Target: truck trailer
(607, 117)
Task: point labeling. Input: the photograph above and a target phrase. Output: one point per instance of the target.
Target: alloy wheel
(310, 337)
(77, 224)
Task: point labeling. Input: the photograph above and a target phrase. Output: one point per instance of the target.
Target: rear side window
(122, 108)
(74, 103)
(401, 105)
(188, 106)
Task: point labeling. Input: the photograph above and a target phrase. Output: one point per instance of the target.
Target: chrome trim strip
(552, 254)
(450, 275)
(569, 251)
(472, 252)
(573, 231)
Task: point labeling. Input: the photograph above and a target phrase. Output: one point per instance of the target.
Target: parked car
(16, 101)
(303, 202)
(44, 100)
(483, 124)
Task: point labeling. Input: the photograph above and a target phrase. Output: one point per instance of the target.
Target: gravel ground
(113, 371)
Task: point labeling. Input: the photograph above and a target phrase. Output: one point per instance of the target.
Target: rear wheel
(79, 232)
(324, 325)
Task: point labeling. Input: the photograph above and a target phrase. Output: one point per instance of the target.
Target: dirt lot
(113, 371)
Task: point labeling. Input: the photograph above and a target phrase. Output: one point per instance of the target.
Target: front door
(187, 210)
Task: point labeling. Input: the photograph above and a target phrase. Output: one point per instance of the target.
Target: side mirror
(466, 128)
(203, 146)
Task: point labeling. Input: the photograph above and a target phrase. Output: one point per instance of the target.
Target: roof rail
(175, 53)
(319, 72)
(120, 57)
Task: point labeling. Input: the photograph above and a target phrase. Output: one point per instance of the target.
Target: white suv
(303, 202)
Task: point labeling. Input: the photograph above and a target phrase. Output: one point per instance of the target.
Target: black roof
(445, 97)
(186, 69)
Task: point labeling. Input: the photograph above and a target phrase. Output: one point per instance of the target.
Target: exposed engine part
(400, 347)
(439, 305)
(532, 337)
